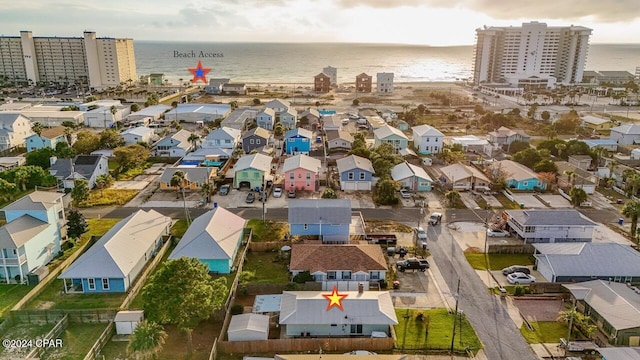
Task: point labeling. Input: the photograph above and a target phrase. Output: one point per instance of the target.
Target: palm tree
(146, 340)
(633, 183)
(207, 189)
(37, 128)
(177, 181)
(103, 181)
(571, 178)
(612, 166)
(631, 210)
(453, 197)
(599, 153)
(560, 147)
(578, 196)
(193, 139)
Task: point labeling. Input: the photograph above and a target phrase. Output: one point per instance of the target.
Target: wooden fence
(510, 249)
(133, 292)
(102, 340)
(48, 316)
(266, 246)
(214, 350)
(61, 326)
(300, 345)
(53, 275)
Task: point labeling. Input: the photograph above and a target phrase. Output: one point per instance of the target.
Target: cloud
(599, 10)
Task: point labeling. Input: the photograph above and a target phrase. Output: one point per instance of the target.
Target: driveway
(600, 202)
(468, 200)
(492, 201)
(528, 200)
(556, 201)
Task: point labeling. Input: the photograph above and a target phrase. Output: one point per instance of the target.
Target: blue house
(213, 238)
(32, 235)
(113, 263)
(266, 119)
(298, 141)
(355, 173)
(50, 137)
(329, 219)
(518, 176)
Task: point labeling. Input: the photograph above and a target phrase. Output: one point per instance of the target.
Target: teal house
(518, 176)
(411, 177)
(50, 137)
(389, 134)
(252, 171)
(213, 238)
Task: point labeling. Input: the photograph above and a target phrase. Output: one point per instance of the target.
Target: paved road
(488, 316)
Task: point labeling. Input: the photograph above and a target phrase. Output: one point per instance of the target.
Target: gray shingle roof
(84, 165)
(535, 217)
(315, 211)
(354, 162)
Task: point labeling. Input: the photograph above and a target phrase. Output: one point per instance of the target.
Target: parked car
(420, 233)
(277, 192)
(291, 194)
(251, 197)
(224, 189)
(497, 233)
(520, 278)
(435, 218)
(412, 264)
(263, 196)
(516, 268)
(362, 121)
(345, 121)
(405, 194)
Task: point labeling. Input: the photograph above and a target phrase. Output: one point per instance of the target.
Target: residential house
(240, 118)
(389, 134)
(411, 177)
(103, 115)
(252, 170)
(583, 179)
(463, 178)
(596, 123)
(14, 129)
(138, 134)
(174, 145)
(266, 119)
(549, 225)
(332, 122)
(113, 263)
(626, 134)
(301, 172)
(223, 137)
(234, 89)
(329, 219)
(321, 83)
(10, 162)
(306, 313)
(612, 353)
(32, 234)
(50, 137)
(608, 144)
(472, 143)
(312, 116)
(427, 139)
(384, 83)
(87, 167)
(505, 136)
(518, 176)
(332, 73)
(148, 114)
(403, 125)
(344, 266)
(374, 122)
(255, 138)
(289, 119)
(215, 157)
(215, 85)
(339, 140)
(356, 173)
(364, 83)
(52, 116)
(193, 112)
(581, 161)
(576, 262)
(194, 177)
(213, 238)
(278, 105)
(298, 141)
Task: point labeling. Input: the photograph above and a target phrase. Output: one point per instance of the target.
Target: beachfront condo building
(88, 60)
(384, 83)
(533, 55)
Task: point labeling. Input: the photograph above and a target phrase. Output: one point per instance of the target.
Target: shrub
(383, 283)
(303, 277)
(292, 287)
(518, 291)
(236, 309)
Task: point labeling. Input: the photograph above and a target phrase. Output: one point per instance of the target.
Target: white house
(384, 83)
(103, 117)
(14, 129)
(138, 134)
(427, 139)
(224, 137)
(550, 225)
(174, 145)
(278, 105)
(626, 134)
(193, 112)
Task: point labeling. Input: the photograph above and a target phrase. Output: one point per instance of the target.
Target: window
(251, 141)
(331, 275)
(257, 141)
(346, 275)
(308, 175)
(306, 226)
(105, 284)
(356, 329)
(374, 275)
(291, 140)
(305, 140)
(291, 175)
(351, 176)
(92, 283)
(293, 184)
(299, 176)
(362, 175)
(308, 183)
(525, 183)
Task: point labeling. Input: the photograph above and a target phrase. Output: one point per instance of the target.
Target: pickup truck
(412, 264)
(382, 239)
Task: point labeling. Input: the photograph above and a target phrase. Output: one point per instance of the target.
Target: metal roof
(254, 161)
(620, 353)
(20, 231)
(316, 211)
(267, 303)
(299, 132)
(258, 131)
(354, 162)
(191, 174)
(251, 322)
(139, 131)
(533, 217)
(627, 129)
(514, 170)
(302, 161)
(422, 130)
(405, 170)
(386, 131)
(37, 200)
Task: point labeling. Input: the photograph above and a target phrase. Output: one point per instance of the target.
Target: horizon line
(341, 42)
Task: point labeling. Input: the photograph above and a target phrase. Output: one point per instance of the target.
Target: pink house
(301, 172)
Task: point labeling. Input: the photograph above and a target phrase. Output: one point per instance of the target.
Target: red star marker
(335, 299)
(199, 73)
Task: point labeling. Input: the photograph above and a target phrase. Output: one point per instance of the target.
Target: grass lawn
(22, 331)
(545, 332)
(265, 269)
(411, 332)
(179, 228)
(268, 231)
(52, 297)
(113, 350)
(77, 339)
(506, 203)
(108, 197)
(10, 294)
(498, 261)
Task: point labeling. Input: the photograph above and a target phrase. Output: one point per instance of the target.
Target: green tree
(384, 157)
(183, 293)
(80, 191)
(256, 102)
(545, 115)
(560, 147)
(278, 130)
(37, 128)
(631, 210)
(328, 193)
(528, 157)
(7, 190)
(177, 181)
(233, 104)
(355, 102)
(206, 189)
(387, 191)
(130, 157)
(453, 197)
(147, 340)
(39, 157)
(64, 151)
(517, 146)
(578, 196)
(135, 107)
(545, 165)
(104, 181)
(86, 143)
(632, 184)
(194, 139)
(478, 109)
(21, 177)
(551, 145)
(110, 139)
(76, 224)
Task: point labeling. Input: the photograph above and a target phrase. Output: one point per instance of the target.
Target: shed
(127, 321)
(248, 327)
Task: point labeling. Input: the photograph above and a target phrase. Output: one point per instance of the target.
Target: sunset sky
(425, 22)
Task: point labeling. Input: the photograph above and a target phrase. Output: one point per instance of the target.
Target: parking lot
(417, 288)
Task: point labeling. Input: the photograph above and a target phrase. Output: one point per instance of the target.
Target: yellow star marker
(335, 299)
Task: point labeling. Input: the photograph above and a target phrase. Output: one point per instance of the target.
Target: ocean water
(299, 62)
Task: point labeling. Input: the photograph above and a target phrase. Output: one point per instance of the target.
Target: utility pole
(455, 314)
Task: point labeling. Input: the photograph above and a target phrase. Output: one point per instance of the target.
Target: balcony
(13, 261)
